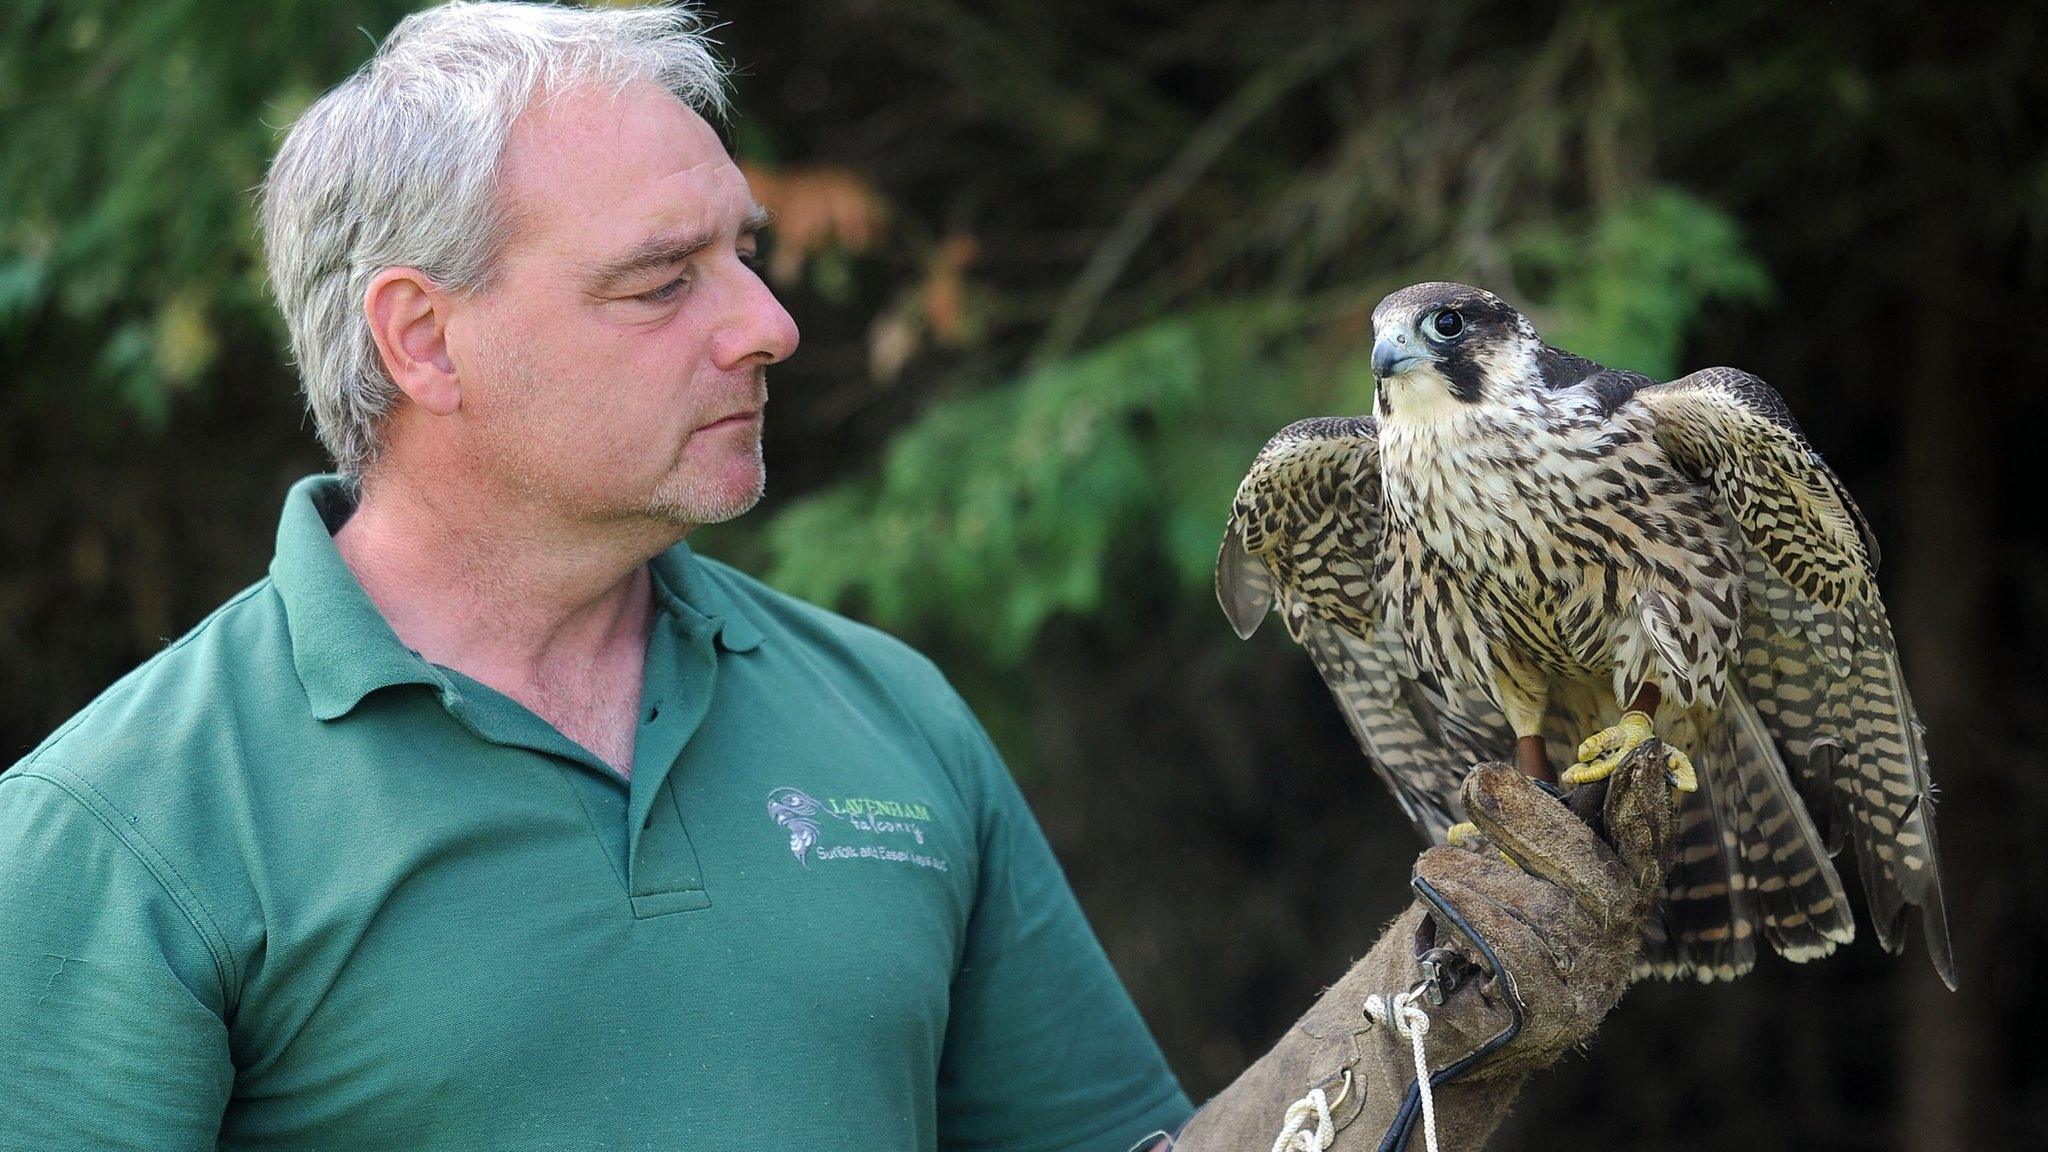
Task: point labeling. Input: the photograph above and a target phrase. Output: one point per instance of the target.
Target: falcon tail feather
(1704, 924)
(1805, 912)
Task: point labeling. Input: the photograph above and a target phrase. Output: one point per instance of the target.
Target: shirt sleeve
(109, 997)
(1044, 1049)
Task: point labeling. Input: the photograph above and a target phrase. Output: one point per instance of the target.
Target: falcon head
(787, 804)
(1439, 348)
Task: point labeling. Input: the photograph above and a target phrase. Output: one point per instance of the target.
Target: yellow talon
(1679, 767)
(1462, 834)
(1602, 752)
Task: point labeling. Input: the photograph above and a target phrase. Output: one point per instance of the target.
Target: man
(495, 818)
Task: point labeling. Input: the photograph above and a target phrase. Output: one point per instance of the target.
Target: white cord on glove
(1295, 1133)
(1296, 1136)
(1406, 1018)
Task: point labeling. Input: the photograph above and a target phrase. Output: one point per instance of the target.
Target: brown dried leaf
(816, 206)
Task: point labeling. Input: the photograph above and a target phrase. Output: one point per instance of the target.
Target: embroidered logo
(804, 817)
(794, 811)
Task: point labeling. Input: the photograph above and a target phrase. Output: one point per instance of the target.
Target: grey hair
(398, 166)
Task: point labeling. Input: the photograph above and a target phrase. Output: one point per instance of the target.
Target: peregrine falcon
(1521, 546)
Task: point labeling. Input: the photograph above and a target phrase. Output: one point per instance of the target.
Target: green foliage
(137, 131)
(1001, 507)
(1624, 289)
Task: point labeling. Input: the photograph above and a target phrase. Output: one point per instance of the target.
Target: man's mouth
(733, 421)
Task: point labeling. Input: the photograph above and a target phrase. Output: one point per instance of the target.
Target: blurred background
(1061, 267)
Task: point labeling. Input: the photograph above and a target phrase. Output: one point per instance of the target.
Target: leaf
(1626, 285)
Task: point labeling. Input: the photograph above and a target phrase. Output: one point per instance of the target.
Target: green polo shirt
(290, 886)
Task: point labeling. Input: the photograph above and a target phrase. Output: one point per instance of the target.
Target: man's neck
(553, 615)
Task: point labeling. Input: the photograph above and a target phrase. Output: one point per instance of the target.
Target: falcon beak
(1392, 353)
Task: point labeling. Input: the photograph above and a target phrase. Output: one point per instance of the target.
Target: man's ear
(409, 320)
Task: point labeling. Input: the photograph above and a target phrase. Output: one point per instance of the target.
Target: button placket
(663, 872)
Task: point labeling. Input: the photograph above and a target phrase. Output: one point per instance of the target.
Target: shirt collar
(341, 645)
(686, 587)
(344, 649)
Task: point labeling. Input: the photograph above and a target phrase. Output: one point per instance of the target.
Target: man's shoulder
(155, 764)
(176, 707)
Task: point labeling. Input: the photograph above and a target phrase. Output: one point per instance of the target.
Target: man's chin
(688, 505)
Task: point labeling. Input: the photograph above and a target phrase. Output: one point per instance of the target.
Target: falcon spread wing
(1304, 522)
(1817, 656)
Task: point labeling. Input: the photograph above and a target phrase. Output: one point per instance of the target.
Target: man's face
(616, 368)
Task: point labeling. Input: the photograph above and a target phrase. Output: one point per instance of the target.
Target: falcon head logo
(1439, 348)
(796, 812)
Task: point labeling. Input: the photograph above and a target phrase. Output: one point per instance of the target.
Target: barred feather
(1799, 896)
(1704, 924)
(1421, 771)
(1302, 533)
(1818, 657)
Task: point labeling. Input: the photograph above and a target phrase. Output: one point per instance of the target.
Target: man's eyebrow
(665, 249)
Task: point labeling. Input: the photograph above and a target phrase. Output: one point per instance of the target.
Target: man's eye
(665, 293)
(751, 260)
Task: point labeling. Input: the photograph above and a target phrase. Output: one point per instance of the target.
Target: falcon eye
(1447, 323)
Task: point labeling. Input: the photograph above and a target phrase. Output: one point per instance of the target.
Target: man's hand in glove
(1529, 938)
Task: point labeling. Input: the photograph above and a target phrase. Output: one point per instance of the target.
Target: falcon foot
(1603, 752)
(1678, 770)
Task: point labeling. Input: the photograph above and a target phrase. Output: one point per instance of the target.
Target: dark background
(1061, 267)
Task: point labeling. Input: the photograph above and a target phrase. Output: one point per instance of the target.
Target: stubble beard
(685, 503)
(679, 502)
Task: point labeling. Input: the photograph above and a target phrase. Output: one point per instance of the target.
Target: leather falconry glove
(1512, 963)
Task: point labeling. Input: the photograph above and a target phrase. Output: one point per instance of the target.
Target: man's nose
(759, 329)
